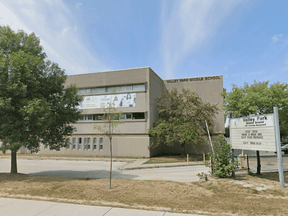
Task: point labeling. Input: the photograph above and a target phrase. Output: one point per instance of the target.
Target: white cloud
(187, 26)
(55, 25)
(78, 5)
(276, 38)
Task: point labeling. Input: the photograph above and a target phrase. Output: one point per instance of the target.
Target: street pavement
(99, 169)
(125, 169)
(18, 207)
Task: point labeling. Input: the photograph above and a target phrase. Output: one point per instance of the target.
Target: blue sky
(242, 40)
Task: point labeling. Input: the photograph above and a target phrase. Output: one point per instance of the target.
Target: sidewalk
(70, 158)
(139, 164)
(15, 207)
(132, 163)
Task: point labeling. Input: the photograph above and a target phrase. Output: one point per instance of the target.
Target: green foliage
(203, 176)
(181, 119)
(110, 116)
(34, 105)
(227, 132)
(221, 159)
(259, 98)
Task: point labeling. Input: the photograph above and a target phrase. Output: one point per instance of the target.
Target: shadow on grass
(273, 176)
(63, 175)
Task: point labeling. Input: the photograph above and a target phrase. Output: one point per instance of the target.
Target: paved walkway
(139, 164)
(16, 207)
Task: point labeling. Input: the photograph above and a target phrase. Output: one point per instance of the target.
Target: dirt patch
(217, 197)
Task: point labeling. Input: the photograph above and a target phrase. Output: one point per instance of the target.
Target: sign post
(278, 146)
(259, 133)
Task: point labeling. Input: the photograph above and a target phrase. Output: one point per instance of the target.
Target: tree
(34, 105)
(181, 119)
(221, 159)
(111, 118)
(258, 99)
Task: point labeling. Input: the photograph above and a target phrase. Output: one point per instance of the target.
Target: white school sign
(253, 133)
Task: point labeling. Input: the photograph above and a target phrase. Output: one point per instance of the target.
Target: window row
(111, 89)
(76, 143)
(124, 116)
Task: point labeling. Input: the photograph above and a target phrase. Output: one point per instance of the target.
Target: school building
(133, 92)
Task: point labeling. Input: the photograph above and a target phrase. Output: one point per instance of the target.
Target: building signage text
(253, 133)
(194, 79)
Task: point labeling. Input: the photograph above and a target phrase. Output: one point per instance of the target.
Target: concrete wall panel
(125, 146)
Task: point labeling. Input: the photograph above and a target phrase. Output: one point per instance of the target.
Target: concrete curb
(72, 158)
(159, 166)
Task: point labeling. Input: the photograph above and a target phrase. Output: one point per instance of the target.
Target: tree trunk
(13, 162)
(184, 150)
(110, 173)
(258, 163)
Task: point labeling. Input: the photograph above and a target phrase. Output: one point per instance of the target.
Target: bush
(221, 159)
(227, 132)
(203, 176)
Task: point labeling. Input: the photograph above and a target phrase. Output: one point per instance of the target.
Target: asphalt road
(99, 169)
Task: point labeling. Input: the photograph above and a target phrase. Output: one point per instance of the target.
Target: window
(94, 143)
(88, 143)
(82, 118)
(128, 115)
(81, 91)
(128, 87)
(87, 91)
(139, 115)
(74, 143)
(120, 88)
(79, 143)
(139, 87)
(122, 117)
(86, 118)
(85, 143)
(101, 143)
(98, 90)
(111, 89)
(68, 143)
(98, 117)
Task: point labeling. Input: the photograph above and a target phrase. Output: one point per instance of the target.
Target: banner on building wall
(103, 101)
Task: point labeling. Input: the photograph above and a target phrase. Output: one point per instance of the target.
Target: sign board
(103, 101)
(253, 133)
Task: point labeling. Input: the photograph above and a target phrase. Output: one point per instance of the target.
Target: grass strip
(218, 196)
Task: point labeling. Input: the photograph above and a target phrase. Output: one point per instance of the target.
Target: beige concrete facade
(132, 137)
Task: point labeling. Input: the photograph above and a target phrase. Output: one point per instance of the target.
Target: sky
(242, 40)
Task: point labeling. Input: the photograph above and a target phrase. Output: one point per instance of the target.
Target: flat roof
(119, 70)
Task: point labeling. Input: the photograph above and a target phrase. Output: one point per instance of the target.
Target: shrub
(221, 159)
(203, 176)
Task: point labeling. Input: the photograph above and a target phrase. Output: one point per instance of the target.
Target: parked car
(284, 148)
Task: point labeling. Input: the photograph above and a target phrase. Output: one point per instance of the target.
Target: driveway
(99, 169)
